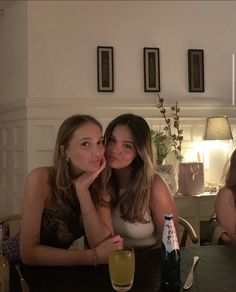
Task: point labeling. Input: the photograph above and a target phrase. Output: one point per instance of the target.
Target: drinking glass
(121, 268)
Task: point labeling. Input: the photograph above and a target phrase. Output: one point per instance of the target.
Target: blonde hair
(66, 201)
(134, 203)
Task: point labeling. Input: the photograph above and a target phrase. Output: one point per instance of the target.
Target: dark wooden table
(215, 272)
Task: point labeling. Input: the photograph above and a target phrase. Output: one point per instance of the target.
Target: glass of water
(122, 268)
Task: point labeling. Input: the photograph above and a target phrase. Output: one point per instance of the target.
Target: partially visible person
(225, 205)
(137, 196)
(58, 207)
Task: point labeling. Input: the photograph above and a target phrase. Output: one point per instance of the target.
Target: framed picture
(196, 70)
(105, 71)
(151, 69)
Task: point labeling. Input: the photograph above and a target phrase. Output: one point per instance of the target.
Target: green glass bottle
(170, 257)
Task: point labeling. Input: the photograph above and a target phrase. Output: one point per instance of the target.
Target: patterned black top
(48, 236)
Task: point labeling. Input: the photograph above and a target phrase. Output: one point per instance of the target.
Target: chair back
(187, 231)
(215, 233)
(13, 222)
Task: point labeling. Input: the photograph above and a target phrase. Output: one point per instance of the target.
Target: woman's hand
(84, 181)
(106, 247)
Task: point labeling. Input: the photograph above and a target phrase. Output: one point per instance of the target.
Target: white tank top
(134, 234)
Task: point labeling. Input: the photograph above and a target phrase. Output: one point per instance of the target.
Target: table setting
(214, 272)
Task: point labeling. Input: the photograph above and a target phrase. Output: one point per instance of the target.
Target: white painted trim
(109, 107)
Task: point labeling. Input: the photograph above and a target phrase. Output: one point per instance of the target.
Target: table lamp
(217, 154)
(218, 128)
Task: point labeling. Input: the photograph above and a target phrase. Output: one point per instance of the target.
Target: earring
(67, 162)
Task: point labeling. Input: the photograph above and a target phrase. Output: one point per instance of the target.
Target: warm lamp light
(218, 128)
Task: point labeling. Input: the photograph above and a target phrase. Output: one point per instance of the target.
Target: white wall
(13, 51)
(63, 37)
(48, 48)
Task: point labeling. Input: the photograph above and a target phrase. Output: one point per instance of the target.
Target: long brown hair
(135, 202)
(230, 179)
(66, 201)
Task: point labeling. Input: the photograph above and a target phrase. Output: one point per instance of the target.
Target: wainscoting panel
(12, 166)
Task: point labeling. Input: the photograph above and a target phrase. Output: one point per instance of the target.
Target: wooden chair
(188, 230)
(13, 223)
(215, 233)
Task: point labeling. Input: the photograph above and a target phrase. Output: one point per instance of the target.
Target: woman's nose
(116, 148)
(98, 150)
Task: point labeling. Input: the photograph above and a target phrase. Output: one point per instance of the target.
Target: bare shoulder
(161, 202)
(39, 173)
(38, 182)
(160, 188)
(159, 182)
(224, 194)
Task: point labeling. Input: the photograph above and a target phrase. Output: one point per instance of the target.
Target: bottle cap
(168, 216)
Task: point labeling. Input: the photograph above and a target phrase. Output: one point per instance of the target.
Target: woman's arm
(161, 203)
(96, 221)
(32, 252)
(226, 212)
(104, 211)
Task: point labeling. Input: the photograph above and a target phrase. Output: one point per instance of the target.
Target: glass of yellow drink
(122, 268)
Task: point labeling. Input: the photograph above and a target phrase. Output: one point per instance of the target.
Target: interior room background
(48, 71)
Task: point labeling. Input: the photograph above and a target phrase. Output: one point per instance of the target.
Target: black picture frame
(151, 64)
(105, 69)
(196, 70)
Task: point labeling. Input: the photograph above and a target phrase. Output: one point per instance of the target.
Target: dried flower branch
(176, 138)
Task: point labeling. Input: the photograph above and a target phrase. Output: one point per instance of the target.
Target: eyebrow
(90, 138)
(126, 141)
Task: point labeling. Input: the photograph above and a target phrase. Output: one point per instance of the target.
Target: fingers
(117, 241)
(102, 166)
(87, 178)
(93, 175)
(116, 238)
(104, 162)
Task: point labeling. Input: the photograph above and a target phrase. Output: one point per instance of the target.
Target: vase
(168, 174)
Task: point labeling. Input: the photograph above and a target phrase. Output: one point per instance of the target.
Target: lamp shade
(218, 128)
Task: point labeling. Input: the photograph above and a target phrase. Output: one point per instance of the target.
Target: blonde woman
(58, 206)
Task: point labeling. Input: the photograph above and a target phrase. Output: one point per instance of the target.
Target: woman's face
(86, 150)
(120, 150)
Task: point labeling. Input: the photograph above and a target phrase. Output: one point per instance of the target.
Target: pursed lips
(97, 161)
(110, 157)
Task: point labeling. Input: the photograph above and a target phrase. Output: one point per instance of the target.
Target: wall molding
(37, 108)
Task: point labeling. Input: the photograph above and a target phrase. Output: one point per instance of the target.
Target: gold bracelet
(95, 256)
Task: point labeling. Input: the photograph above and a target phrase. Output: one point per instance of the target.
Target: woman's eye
(127, 146)
(101, 142)
(85, 144)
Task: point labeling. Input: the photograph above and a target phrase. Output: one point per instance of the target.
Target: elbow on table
(27, 256)
(27, 259)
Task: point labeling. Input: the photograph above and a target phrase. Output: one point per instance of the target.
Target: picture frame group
(151, 69)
